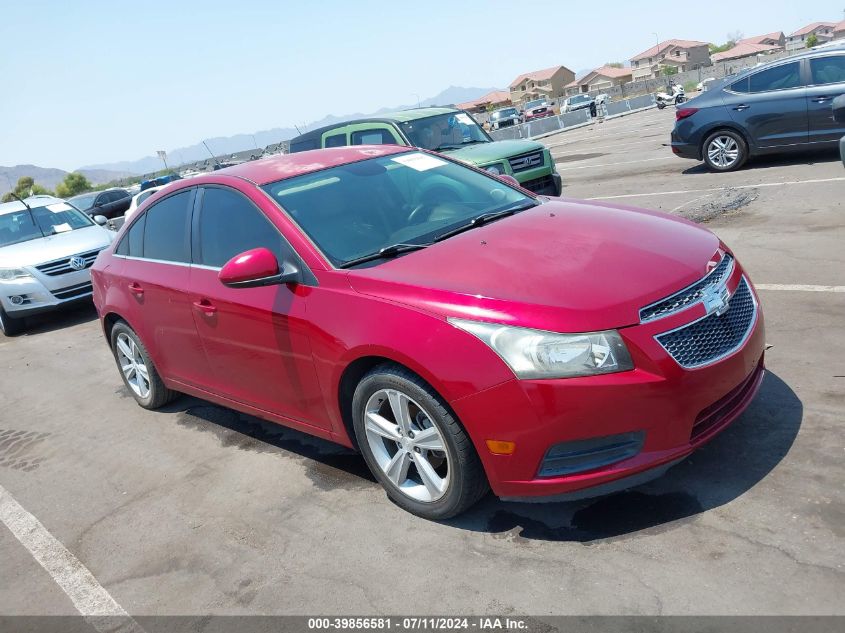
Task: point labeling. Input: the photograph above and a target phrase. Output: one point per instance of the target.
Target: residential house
(822, 30)
(743, 50)
(548, 83)
(491, 101)
(777, 39)
(839, 31)
(599, 79)
(682, 55)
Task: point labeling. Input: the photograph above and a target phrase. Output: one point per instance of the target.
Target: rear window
(828, 70)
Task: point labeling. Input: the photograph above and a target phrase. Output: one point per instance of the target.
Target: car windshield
(444, 131)
(579, 99)
(503, 113)
(84, 202)
(535, 104)
(358, 209)
(23, 225)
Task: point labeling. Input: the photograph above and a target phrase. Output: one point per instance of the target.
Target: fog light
(16, 300)
(582, 455)
(500, 447)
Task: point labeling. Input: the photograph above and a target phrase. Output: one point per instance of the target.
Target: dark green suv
(445, 130)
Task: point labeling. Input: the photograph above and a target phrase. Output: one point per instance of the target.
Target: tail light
(684, 113)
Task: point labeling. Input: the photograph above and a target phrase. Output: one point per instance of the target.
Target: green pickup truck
(448, 131)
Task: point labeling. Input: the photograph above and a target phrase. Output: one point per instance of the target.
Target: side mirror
(257, 267)
(509, 179)
(839, 109)
(100, 219)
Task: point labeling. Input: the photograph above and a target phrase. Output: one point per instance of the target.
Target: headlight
(7, 274)
(539, 354)
(493, 169)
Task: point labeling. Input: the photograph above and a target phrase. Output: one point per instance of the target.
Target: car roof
(401, 116)
(813, 52)
(33, 201)
(281, 167)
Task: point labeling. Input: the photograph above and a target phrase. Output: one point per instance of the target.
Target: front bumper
(29, 296)
(676, 409)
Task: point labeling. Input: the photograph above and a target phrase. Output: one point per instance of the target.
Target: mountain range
(49, 177)
(225, 145)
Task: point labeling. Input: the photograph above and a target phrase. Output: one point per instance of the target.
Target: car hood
(47, 249)
(484, 153)
(564, 266)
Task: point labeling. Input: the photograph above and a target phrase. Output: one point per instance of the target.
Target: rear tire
(137, 369)
(660, 105)
(422, 457)
(11, 326)
(724, 150)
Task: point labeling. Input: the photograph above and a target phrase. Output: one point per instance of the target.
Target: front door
(255, 339)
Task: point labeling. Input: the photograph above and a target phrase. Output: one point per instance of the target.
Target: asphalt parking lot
(196, 509)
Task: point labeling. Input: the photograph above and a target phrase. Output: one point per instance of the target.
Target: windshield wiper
(388, 251)
(486, 218)
(473, 141)
(440, 148)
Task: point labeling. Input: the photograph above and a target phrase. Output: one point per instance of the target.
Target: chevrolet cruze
(461, 332)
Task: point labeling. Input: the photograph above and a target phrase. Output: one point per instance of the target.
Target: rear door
(155, 272)
(826, 82)
(255, 339)
(771, 105)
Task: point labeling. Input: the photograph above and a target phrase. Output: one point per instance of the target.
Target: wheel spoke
(142, 371)
(124, 348)
(380, 426)
(430, 479)
(428, 439)
(128, 370)
(399, 406)
(397, 468)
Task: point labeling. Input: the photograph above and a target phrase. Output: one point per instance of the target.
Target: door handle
(821, 99)
(204, 306)
(136, 288)
(742, 107)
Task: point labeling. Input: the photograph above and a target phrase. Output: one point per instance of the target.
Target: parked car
(159, 181)
(537, 109)
(448, 131)
(109, 203)
(457, 330)
(139, 198)
(705, 84)
(578, 102)
(505, 117)
(839, 116)
(46, 249)
(602, 99)
(781, 106)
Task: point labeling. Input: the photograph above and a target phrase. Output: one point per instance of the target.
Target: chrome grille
(689, 295)
(526, 161)
(62, 266)
(73, 292)
(715, 336)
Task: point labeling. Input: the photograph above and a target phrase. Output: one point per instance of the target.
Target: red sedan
(459, 331)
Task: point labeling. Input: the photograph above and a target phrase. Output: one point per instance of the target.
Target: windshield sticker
(464, 118)
(419, 162)
(59, 207)
(62, 228)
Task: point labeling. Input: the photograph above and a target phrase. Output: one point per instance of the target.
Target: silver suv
(46, 249)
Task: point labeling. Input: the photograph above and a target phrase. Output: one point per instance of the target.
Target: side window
(777, 78)
(135, 238)
(336, 140)
(828, 70)
(304, 144)
(740, 86)
(372, 137)
(166, 231)
(230, 224)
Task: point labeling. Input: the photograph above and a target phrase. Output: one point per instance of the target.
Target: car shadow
(59, 320)
(716, 474)
(809, 157)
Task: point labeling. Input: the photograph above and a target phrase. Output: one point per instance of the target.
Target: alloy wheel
(723, 151)
(407, 445)
(132, 365)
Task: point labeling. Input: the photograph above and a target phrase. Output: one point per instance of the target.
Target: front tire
(137, 370)
(11, 326)
(725, 150)
(414, 446)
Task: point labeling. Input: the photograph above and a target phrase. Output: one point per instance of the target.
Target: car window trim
(137, 218)
(748, 77)
(308, 277)
(809, 67)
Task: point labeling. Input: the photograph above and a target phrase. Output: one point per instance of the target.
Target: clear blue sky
(100, 81)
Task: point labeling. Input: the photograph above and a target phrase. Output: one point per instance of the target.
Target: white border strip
(725, 188)
(87, 595)
(800, 287)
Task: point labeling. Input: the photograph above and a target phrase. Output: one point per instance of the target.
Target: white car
(46, 249)
(705, 84)
(139, 198)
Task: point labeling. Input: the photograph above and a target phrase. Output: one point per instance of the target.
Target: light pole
(414, 94)
(656, 44)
